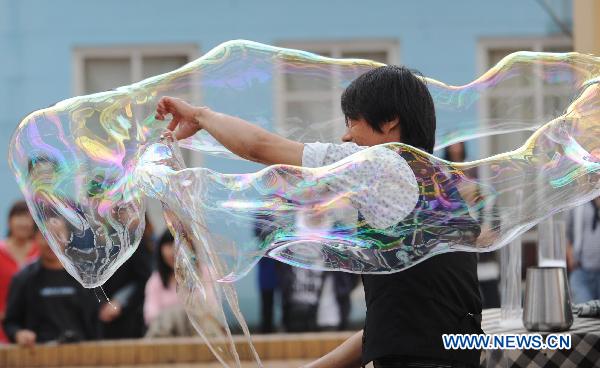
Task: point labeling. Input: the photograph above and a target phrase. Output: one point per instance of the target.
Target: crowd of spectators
(41, 302)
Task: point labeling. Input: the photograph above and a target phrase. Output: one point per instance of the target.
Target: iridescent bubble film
(197, 267)
(92, 160)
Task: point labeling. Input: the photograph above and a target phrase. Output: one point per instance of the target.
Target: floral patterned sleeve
(393, 190)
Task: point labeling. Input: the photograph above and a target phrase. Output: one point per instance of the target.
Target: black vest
(408, 311)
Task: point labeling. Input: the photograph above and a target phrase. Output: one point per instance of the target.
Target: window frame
(536, 44)
(135, 54)
(335, 49)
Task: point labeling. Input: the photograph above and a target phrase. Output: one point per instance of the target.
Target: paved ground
(266, 364)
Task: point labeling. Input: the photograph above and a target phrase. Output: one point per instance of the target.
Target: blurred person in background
(456, 152)
(122, 316)
(583, 251)
(149, 237)
(161, 286)
(301, 288)
(488, 266)
(300, 293)
(45, 303)
(163, 312)
(268, 285)
(315, 300)
(267, 275)
(335, 305)
(17, 250)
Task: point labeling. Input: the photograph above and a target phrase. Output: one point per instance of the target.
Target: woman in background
(163, 312)
(15, 252)
(488, 265)
(160, 289)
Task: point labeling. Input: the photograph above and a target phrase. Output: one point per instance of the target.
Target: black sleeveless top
(408, 311)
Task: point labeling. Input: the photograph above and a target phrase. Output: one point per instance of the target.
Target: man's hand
(25, 337)
(109, 311)
(237, 135)
(185, 116)
(347, 355)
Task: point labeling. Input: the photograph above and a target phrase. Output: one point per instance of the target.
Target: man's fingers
(165, 103)
(162, 108)
(173, 124)
(160, 113)
(162, 103)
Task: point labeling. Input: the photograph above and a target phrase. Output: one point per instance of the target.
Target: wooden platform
(172, 352)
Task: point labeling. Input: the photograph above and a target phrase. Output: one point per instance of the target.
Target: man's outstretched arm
(239, 136)
(347, 355)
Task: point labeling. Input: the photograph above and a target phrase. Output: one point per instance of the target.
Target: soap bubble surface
(92, 160)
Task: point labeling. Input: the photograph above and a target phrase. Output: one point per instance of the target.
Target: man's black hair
(393, 92)
(164, 270)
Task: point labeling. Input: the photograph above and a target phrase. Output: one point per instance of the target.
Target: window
(302, 100)
(519, 99)
(103, 69)
(522, 99)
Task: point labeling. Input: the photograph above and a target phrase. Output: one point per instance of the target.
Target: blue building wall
(37, 39)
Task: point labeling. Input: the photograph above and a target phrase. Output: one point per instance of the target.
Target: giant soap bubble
(91, 160)
(449, 210)
(76, 159)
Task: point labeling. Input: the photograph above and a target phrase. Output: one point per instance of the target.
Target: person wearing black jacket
(45, 303)
(122, 317)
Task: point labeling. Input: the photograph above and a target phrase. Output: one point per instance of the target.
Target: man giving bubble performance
(407, 312)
